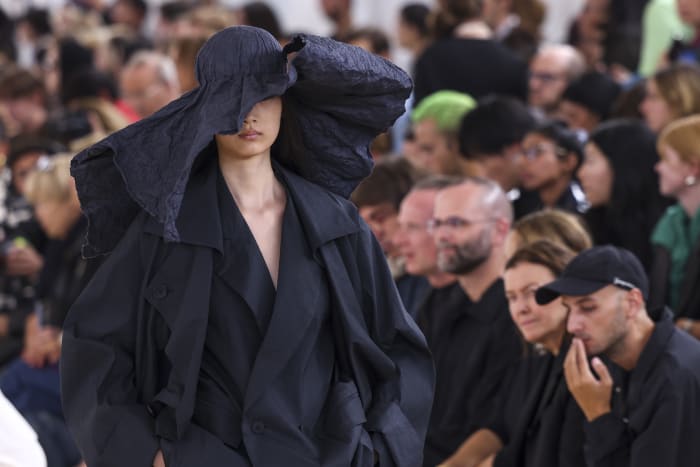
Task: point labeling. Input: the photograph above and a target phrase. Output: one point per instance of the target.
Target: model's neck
(251, 181)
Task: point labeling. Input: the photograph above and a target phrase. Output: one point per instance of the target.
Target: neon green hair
(445, 107)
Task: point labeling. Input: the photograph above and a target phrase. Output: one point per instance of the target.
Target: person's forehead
(418, 204)
(462, 198)
(549, 61)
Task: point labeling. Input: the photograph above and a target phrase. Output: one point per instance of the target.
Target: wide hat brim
(344, 98)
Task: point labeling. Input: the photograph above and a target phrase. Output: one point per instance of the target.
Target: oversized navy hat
(344, 97)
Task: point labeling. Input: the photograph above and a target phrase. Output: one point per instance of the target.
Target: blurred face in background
(656, 111)
(434, 151)
(689, 11)
(544, 163)
(548, 80)
(382, 219)
(413, 240)
(673, 173)
(596, 176)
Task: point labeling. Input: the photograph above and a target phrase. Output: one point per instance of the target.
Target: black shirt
(655, 416)
(473, 344)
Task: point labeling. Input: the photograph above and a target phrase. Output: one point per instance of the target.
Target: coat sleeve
(99, 393)
(403, 379)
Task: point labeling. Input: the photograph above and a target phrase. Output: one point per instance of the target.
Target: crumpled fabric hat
(344, 97)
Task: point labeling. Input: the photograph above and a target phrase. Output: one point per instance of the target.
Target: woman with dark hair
(246, 315)
(621, 186)
(539, 423)
(260, 15)
(551, 155)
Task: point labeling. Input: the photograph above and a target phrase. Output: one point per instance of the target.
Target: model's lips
(250, 134)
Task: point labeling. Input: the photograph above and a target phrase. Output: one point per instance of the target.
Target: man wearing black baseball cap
(645, 410)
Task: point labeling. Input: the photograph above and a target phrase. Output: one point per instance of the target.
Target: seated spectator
(640, 405)
(436, 121)
(412, 30)
(551, 156)
(31, 383)
(688, 50)
(260, 15)
(483, 67)
(671, 93)
(675, 271)
(415, 242)
(149, 82)
(553, 225)
(661, 25)
(377, 199)
(18, 442)
(588, 101)
(469, 332)
(490, 136)
(515, 24)
(183, 51)
(622, 187)
(25, 97)
(371, 39)
(552, 68)
(539, 423)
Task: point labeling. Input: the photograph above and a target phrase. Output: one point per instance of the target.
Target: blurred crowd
(517, 152)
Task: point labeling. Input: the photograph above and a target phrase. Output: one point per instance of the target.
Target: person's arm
(98, 381)
(478, 448)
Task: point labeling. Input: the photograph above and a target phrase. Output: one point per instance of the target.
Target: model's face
(383, 221)
(543, 324)
(598, 319)
(463, 233)
(543, 163)
(259, 131)
(656, 111)
(672, 172)
(434, 153)
(548, 80)
(577, 117)
(596, 176)
(413, 240)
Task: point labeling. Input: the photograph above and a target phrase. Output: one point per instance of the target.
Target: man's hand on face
(592, 394)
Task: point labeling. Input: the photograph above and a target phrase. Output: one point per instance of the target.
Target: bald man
(470, 332)
(148, 82)
(552, 69)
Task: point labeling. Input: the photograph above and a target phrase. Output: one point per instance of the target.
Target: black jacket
(654, 419)
(133, 343)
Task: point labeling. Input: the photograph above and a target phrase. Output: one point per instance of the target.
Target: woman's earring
(690, 180)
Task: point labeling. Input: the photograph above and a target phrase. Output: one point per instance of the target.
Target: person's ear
(635, 302)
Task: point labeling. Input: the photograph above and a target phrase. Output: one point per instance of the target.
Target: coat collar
(324, 215)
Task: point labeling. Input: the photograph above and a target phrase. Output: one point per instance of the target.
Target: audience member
(340, 14)
(130, 13)
(551, 156)
(551, 70)
(183, 51)
(371, 39)
(436, 122)
(622, 187)
(260, 15)
(149, 82)
(378, 198)
(588, 100)
(490, 136)
(538, 422)
(484, 65)
(24, 95)
(516, 24)
(412, 30)
(469, 331)
(661, 25)
(640, 405)
(671, 93)
(552, 225)
(675, 271)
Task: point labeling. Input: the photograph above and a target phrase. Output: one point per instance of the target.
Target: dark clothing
(473, 345)
(524, 202)
(476, 67)
(327, 386)
(689, 298)
(654, 419)
(539, 422)
(573, 200)
(413, 290)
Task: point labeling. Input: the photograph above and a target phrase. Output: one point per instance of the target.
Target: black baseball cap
(594, 269)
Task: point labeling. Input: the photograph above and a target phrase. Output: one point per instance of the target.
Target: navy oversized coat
(134, 340)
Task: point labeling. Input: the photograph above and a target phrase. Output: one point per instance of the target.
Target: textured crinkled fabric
(344, 97)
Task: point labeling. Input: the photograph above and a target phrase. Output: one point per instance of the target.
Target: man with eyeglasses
(148, 82)
(641, 405)
(470, 333)
(551, 70)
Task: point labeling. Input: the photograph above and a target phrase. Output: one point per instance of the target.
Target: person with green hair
(436, 121)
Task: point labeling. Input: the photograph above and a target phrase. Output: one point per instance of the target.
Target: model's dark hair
(495, 123)
(635, 203)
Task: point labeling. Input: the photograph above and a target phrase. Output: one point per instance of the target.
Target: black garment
(538, 421)
(413, 291)
(524, 202)
(477, 67)
(133, 345)
(689, 299)
(473, 345)
(573, 200)
(654, 419)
